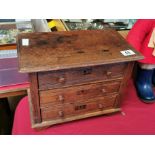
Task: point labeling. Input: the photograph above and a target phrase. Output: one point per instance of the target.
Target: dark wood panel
(35, 97)
(77, 108)
(78, 93)
(5, 117)
(8, 46)
(71, 49)
(58, 79)
(13, 93)
(127, 76)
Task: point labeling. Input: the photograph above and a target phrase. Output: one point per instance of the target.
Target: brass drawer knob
(103, 90)
(61, 98)
(61, 79)
(109, 73)
(61, 113)
(100, 106)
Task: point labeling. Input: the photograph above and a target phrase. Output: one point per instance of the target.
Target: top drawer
(63, 78)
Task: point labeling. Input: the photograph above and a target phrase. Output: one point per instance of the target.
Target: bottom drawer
(78, 108)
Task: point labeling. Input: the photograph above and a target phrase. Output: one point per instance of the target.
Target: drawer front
(77, 108)
(63, 78)
(78, 93)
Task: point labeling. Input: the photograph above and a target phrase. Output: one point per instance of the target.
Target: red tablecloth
(139, 118)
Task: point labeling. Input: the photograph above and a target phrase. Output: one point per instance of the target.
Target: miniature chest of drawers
(74, 74)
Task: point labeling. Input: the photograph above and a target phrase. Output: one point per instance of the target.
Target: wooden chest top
(61, 50)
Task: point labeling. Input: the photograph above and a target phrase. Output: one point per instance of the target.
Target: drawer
(77, 108)
(63, 78)
(78, 93)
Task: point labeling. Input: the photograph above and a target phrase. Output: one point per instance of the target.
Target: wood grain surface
(74, 74)
(78, 93)
(69, 77)
(78, 108)
(71, 49)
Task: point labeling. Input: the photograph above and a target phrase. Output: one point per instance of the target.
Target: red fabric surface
(139, 37)
(139, 118)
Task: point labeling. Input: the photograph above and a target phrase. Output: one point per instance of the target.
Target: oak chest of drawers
(74, 74)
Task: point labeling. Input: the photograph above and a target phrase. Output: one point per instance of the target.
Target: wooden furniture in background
(12, 83)
(74, 74)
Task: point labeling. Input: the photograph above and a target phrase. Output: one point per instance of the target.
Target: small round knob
(100, 106)
(61, 98)
(108, 73)
(103, 90)
(61, 113)
(61, 79)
